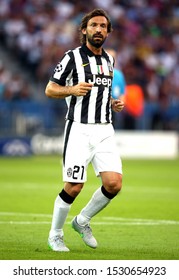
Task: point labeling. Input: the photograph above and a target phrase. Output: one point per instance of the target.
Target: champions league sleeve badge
(58, 68)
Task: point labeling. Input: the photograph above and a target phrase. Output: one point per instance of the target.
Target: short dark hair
(87, 17)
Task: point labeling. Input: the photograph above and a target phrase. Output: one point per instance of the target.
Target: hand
(117, 105)
(81, 89)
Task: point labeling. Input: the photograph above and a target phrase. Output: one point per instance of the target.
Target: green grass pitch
(141, 223)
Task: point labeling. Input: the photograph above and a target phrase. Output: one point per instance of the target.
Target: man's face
(96, 31)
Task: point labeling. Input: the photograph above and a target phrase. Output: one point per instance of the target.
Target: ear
(84, 31)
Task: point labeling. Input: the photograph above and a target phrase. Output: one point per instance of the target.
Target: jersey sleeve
(63, 70)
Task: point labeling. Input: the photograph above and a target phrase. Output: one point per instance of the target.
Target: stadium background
(33, 36)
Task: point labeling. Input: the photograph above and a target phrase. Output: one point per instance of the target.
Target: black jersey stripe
(108, 109)
(100, 94)
(70, 115)
(87, 72)
(84, 109)
(67, 133)
(98, 105)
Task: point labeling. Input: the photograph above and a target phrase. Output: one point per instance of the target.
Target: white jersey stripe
(91, 113)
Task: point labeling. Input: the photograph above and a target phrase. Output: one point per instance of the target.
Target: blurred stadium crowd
(145, 36)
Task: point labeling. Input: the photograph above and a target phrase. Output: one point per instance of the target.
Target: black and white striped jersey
(81, 65)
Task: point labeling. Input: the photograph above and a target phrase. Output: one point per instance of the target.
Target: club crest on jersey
(98, 80)
(58, 68)
(69, 172)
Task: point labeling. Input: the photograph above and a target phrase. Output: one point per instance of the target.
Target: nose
(98, 28)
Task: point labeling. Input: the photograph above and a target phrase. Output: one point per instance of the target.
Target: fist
(117, 105)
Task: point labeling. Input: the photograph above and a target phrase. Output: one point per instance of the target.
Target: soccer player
(84, 78)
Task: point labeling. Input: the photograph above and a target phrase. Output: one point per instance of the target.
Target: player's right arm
(55, 90)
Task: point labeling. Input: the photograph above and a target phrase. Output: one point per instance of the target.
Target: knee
(76, 190)
(73, 189)
(114, 185)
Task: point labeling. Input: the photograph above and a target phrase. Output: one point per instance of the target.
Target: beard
(95, 41)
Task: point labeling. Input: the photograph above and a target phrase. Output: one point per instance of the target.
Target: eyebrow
(100, 23)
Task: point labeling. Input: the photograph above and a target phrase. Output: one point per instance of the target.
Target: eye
(103, 25)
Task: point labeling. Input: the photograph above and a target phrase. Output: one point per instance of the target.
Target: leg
(106, 158)
(74, 170)
(112, 183)
(61, 208)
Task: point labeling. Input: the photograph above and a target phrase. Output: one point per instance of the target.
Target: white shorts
(85, 143)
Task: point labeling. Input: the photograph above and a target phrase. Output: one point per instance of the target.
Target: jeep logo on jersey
(103, 80)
